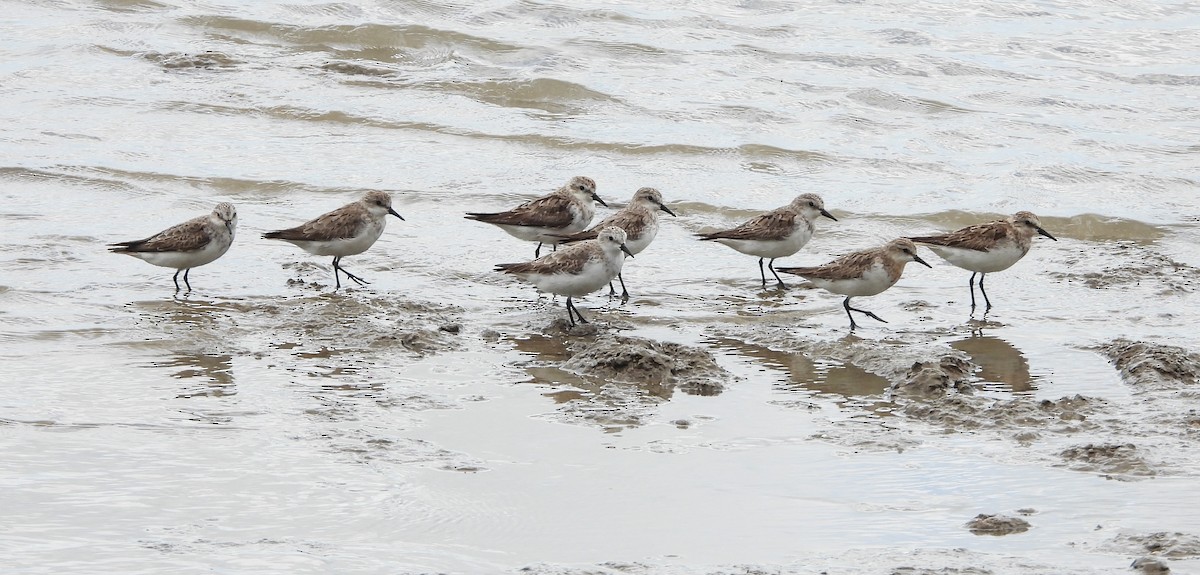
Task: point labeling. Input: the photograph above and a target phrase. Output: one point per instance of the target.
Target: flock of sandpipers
(594, 256)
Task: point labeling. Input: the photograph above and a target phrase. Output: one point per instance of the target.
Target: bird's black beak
(626, 250)
(917, 258)
(664, 208)
(597, 198)
(1046, 233)
(828, 215)
(393, 212)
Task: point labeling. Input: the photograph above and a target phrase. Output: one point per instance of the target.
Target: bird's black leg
(337, 267)
(175, 278)
(579, 314)
(762, 273)
(846, 304)
(624, 292)
(571, 308)
(862, 311)
(985, 297)
(611, 290)
(771, 266)
(971, 282)
(537, 252)
(185, 279)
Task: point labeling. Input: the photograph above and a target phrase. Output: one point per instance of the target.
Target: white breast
(779, 248)
(636, 245)
(997, 259)
(873, 281)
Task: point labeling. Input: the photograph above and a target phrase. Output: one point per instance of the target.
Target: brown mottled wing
(978, 237)
(849, 266)
(631, 221)
(628, 220)
(189, 235)
(774, 225)
(341, 223)
(579, 236)
(553, 211)
(569, 260)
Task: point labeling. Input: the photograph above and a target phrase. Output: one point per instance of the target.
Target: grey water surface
(431, 421)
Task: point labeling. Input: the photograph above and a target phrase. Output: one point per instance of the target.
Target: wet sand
(446, 419)
(483, 419)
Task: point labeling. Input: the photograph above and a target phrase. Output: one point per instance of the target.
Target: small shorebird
(576, 270)
(866, 272)
(346, 231)
(193, 243)
(778, 233)
(545, 220)
(639, 220)
(988, 247)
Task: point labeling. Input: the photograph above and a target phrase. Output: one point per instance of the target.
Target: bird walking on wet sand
(576, 270)
(193, 243)
(987, 247)
(639, 220)
(545, 220)
(346, 231)
(862, 273)
(778, 233)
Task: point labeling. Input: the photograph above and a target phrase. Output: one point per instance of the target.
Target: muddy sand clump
(645, 362)
(1150, 565)
(896, 361)
(366, 323)
(207, 60)
(615, 381)
(1159, 544)
(1110, 459)
(933, 385)
(1151, 366)
(937, 378)
(323, 324)
(1023, 416)
(985, 524)
(1128, 263)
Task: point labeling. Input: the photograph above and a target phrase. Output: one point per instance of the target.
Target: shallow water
(431, 422)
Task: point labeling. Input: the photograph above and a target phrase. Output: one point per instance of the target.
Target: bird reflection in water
(197, 326)
(214, 374)
(856, 387)
(1002, 367)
